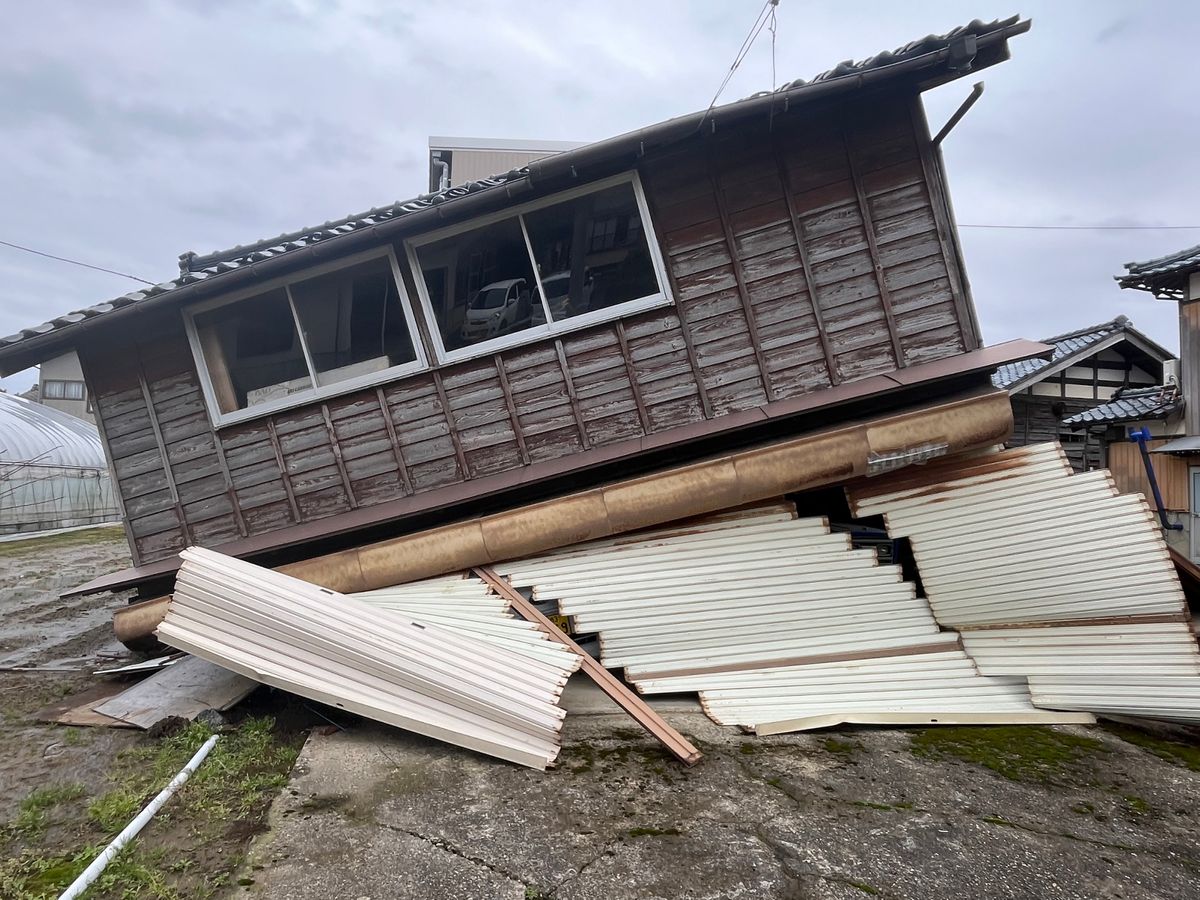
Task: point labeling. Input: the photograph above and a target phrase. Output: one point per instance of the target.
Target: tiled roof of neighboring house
(1166, 276)
(1131, 405)
(935, 58)
(1072, 344)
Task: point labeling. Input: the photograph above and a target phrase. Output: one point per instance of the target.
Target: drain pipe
(1141, 435)
(92, 872)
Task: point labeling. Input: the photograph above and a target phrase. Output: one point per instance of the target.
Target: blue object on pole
(1141, 435)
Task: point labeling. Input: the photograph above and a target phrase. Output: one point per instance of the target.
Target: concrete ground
(373, 813)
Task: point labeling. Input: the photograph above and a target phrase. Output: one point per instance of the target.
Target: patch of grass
(1137, 805)
(31, 816)
(1016, 752)
(1083, 809)
(112, 811)
(132, 874)
(748, 748)
(532, 893)
(840, 747)
(653, 832)
(1187, 755)
(82, 538)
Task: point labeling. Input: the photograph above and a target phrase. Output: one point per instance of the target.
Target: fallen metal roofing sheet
(374, 662)
(729, 594)
(467, 606)
(1015, 537)
(185, 689)
(1050, 576)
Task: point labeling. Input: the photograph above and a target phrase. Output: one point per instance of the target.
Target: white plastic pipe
(92, 872)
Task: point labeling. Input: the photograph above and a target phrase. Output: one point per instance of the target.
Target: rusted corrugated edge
(641, 712)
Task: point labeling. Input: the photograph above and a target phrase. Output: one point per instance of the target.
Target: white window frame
(316, 392)
(551, 328)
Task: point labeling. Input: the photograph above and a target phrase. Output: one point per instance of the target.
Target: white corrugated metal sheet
(1014, 538)
(1080, 575)
(729, 594)
(772, 619)
(466, 606)
(378, 663)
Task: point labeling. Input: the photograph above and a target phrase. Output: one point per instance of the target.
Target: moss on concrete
(1016, 752)
(1187, 755)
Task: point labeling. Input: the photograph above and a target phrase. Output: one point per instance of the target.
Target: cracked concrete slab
(376, 813)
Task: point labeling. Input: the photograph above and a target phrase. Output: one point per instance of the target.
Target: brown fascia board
(545, 174)
(892, 385)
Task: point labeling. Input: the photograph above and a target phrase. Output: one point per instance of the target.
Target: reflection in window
(252, 352)
(353, 322)
(326, 330)
(480, 284)
(591, 253)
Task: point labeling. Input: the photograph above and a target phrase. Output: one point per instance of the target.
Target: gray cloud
(134, 131)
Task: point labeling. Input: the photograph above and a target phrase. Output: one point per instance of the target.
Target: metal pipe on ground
(745, 476)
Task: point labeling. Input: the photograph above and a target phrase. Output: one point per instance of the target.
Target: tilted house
(1089, 366)
(772, 266)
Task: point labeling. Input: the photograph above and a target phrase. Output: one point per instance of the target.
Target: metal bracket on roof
(976, 93)
(962, 51)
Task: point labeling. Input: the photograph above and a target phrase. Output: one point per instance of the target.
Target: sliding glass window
(558, 264)
(336, 330)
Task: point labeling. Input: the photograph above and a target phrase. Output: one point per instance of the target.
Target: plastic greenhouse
(52, 470)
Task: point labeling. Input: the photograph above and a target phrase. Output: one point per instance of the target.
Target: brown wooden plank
(571, 395)
(676, 743)
(643, 417)
(944, 216)
(162, 450)
(864, 209)
(390, 426)
(506, 389)
(440, 389)
(283, 472)
(337, 457)
(705, 406)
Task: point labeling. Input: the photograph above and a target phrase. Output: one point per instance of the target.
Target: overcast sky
(135, 131)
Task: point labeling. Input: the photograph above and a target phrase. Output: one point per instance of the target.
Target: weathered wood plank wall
(800, 256)
(1171, 472)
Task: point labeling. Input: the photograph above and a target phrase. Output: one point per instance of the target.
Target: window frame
(549, 328)
(317, 392)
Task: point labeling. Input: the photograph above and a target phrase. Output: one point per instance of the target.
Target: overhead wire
(74, 262)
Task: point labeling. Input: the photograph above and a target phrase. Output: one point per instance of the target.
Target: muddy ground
(66, 791)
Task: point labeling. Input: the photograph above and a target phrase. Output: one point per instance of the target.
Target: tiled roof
(1166, 276)
(1074, 343)
(1131, 405)
(954, 50)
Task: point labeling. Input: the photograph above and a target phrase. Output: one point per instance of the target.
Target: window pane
(252, 351)
(53, 390)
(480, 284)
(591, 252)
(353, 322)
(73, 390)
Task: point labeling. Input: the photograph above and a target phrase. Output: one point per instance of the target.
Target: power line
(1086, 227)
(764, 15)
(75, 262)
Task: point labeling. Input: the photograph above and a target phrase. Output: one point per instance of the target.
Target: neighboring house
(462, 160)
(771, 267)
(61, 385)
(1088, 367)
(1177, 277)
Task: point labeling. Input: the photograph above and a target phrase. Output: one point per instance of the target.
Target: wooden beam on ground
(641, 712)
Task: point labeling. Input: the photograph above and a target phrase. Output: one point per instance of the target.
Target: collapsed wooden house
(782, 267)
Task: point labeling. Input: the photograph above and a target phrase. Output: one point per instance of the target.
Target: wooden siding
(1171, 472)
(800, 256)
(1037, 419)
